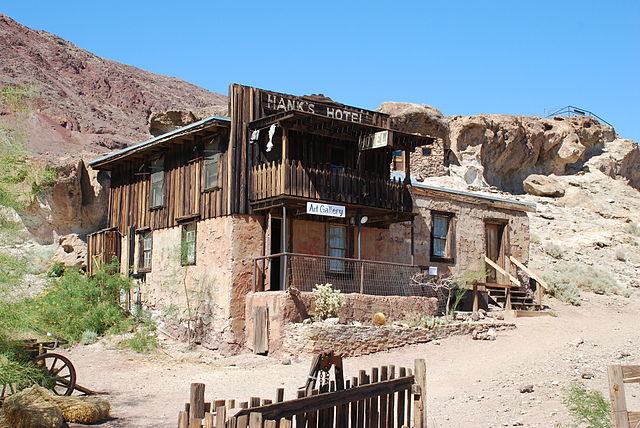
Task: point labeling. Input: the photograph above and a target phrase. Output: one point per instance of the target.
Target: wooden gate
(380, 398)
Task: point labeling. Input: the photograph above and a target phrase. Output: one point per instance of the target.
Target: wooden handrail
(529, 272)
(323, 401)
(316, 256)
(502, 271)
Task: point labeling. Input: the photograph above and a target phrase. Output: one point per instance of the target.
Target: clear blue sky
(514, 57)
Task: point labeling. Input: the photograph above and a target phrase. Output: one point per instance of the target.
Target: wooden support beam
(502, 271)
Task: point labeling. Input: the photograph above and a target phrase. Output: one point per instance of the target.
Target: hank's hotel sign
(326, 209)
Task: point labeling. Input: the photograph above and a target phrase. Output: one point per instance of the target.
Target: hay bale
(83, 410)
(32, 408)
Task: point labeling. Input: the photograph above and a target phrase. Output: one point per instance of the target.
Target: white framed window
(337, 247)
(156, 195)
(146, 251)
(442, 237)
(188, 244)
(211, 164)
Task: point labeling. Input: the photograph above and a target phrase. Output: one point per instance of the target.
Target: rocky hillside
(82, 102)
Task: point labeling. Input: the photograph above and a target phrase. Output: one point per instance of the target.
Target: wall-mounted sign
(376, 140)
(274, 102)
(433, 270)
(326, 209)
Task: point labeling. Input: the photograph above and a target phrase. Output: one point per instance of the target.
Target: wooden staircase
(512, 296)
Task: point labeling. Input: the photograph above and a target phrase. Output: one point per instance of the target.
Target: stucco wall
(470, 246)
(208, 296)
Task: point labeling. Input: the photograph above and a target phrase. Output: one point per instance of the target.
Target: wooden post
(183, 419)
(420, 395)
(413, 241)
(255, 420)
(407, 166)
(221, 416)
(285, 261)
(196, 401)
(619, 414)
(476, 303)
(507, 302)
(359, 220)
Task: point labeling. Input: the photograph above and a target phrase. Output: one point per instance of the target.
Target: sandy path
(471, 383)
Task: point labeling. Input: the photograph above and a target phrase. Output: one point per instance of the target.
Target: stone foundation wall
(352, 341)
(208, 296)
(433, 165)
(284, 309)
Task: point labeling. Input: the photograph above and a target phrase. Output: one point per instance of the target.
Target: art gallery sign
(326, 209)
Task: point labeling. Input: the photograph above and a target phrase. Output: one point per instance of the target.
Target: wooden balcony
(291, 179)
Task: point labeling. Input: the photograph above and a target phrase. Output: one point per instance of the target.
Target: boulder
(543, 185)
(72, 251)
(32, 408)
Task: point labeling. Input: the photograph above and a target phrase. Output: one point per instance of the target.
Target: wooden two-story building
(287, 191)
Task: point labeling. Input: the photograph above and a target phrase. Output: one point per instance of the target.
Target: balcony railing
(304, 271)
(342, 185)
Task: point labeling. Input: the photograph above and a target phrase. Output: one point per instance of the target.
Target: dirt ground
(470, 383)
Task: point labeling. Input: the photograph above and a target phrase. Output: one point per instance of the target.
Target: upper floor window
(211, 166)
(442, 237)
(146, 248)
(156, 197)
(188, 244)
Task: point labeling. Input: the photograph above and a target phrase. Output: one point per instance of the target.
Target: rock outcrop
(502, 150)
(72, 252)
(619, 159)
(75, 203)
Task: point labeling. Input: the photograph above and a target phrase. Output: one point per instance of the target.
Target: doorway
(276, 247)
(496, 251)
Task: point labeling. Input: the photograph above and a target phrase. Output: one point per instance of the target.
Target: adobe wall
(470, 246)
(284, 309)
(390, 245)
(211, 292)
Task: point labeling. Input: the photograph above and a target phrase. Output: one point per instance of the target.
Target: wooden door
(495, 247)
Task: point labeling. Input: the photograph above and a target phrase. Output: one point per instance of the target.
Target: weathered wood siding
(184, 196)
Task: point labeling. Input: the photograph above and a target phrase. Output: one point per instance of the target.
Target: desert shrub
(56, 269)
(76, 302)
(89, 337)
(142, 342)
(535, 238)
(327, 301)
(428, 322)
(632, 229)
(566, 280)
(553, 250)
(588, 407)
(620, 255)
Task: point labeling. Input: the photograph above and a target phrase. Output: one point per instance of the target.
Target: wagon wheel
(61, 375)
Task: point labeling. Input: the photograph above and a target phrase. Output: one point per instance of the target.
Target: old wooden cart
(59, 373)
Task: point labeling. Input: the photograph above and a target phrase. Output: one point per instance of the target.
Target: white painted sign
(433, 270)
(376, 140)
(326, 209)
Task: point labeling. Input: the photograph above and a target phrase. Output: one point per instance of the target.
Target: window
(337, 247)
(211, 166)
(426, 151)
(188, 244)
(442, 241)
(157, 183)
(146, 248)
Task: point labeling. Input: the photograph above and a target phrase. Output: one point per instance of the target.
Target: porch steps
(520, 299)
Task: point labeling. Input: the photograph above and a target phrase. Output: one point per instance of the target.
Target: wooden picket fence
(618, 376)
(380, 398)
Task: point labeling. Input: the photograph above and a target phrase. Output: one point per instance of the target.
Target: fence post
(619, 414)
(196, 401)
(420, 398)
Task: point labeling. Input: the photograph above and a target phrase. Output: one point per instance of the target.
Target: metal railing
(321, 182)
(304, 271)
(570, 111)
